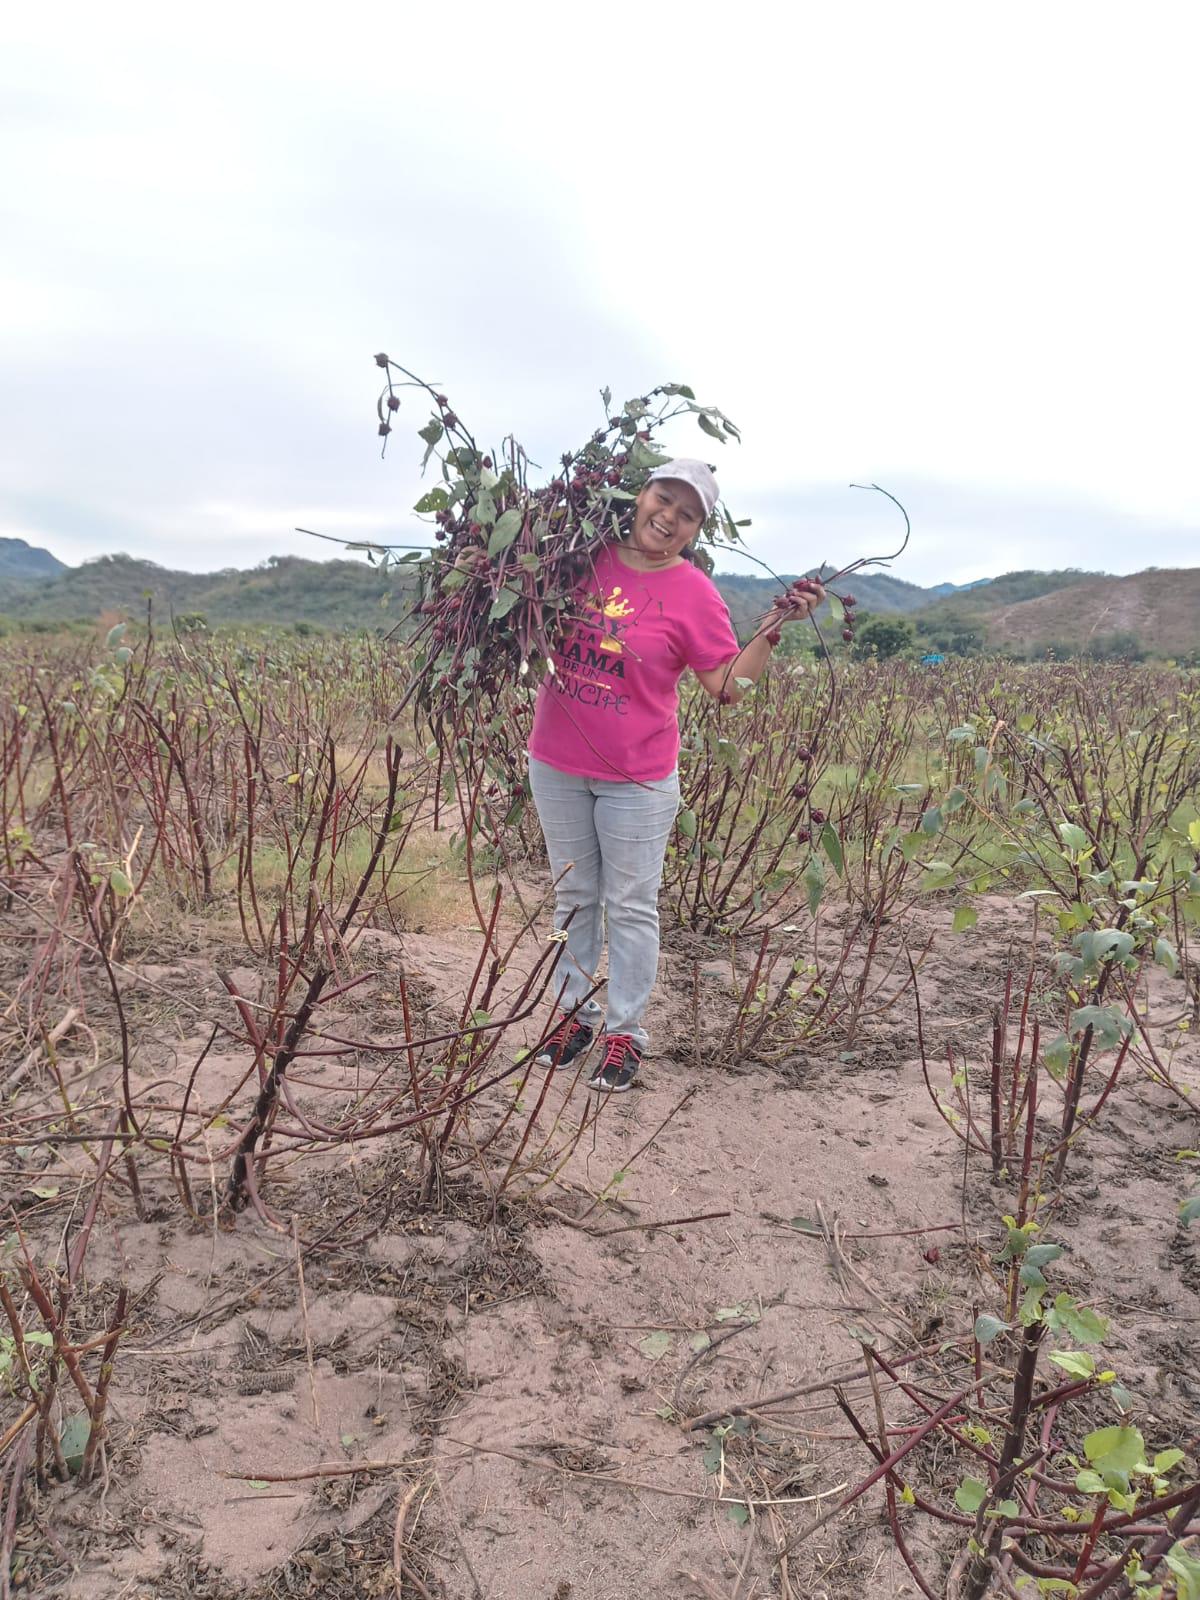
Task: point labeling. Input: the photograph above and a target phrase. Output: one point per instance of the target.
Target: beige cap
(698, 475)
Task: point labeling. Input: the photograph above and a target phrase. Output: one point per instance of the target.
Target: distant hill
(334, 594)
(20, 560)
(1011, 587)
(1160, 609)
(1026, 611)
(748, 597)
(956, 588)
(958, 621)
(286, 589)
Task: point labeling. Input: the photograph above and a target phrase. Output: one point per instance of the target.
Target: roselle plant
(1058, 1492)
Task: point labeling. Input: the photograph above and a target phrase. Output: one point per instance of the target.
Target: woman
(604, 750)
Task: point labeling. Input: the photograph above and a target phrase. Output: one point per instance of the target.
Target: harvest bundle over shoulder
(496, 594)
(494, 597)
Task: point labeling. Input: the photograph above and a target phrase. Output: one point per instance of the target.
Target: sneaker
(619, 1068)
(569, 1040)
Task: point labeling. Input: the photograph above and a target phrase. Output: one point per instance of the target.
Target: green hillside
(23, 562)
(286, 589)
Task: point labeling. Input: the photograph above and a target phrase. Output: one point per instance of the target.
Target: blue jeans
(606, 843)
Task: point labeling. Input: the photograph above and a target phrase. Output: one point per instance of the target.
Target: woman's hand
(800, 601)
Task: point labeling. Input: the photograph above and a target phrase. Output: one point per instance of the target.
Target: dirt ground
(516, 1380)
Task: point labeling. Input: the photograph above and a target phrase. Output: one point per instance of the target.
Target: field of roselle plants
(886, 1282)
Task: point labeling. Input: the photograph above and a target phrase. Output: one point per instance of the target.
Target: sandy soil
(528, 1370)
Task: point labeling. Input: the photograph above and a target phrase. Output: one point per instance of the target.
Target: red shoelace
(619, 1045)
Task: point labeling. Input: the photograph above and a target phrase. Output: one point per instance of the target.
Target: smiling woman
(604, 749)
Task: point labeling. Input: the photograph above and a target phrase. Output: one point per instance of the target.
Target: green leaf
(484, 510)
(119, 882)
(954, 801)
(836, 609)
(655, 1346)
(1089, 1482)
(1040, 1255)
(686, 823)
(708, 426)
(1109, 1026)
(728, 755)
(965, 917)
(1104, 944)
(832, 847)
(937, 875)
(1166, 955)
(957, 735)
(431, 433)
(436, 500)
(1115, 1450)
(1189, 1210)
(931, 822)
(814, 883)
(699, 1342)
(1077, 1363)
(1072, 836)
(1166, 1459)
(74, 1438)
(115, 635)
(503, 603)
(740, 1515)
(989, 1328)
(909, 845)
(970, 1495)
(505, 531)
(1056, 1057)
(1031, 1304)
(1185, 1569)
(1082, 1324)
(642, 457)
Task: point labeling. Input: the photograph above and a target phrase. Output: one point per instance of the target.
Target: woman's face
(667, 517)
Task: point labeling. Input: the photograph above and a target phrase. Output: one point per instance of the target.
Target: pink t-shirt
(610, 708)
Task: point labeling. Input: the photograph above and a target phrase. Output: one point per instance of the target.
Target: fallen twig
(670, 1222)
(327, 1469)
(406, 1500)
(634, 1483)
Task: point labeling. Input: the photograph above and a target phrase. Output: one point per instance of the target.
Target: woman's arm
(751, 660)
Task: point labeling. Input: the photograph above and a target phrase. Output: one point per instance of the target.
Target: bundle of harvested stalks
(496, 591)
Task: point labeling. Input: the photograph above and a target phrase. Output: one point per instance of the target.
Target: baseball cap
(698, 475)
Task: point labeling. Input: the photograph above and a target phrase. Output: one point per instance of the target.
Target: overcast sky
(948, 248)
